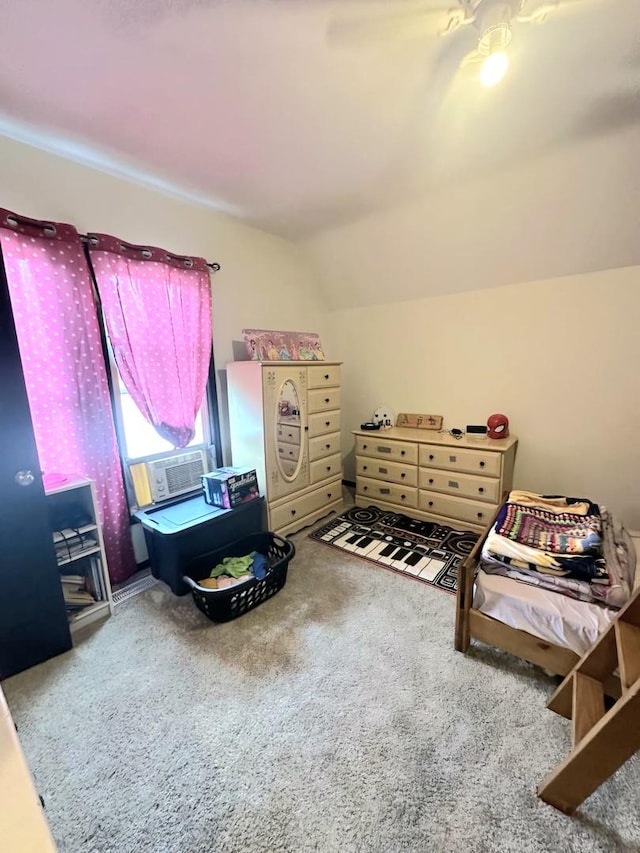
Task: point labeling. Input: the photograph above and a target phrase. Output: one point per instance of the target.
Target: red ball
(498, 426)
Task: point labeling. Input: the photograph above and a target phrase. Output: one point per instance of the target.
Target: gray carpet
(335, 717)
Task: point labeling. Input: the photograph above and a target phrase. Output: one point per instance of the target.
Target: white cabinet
(284, 420)
(82, 562)
(458, 482)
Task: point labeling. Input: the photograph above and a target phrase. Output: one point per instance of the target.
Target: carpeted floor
(335, 717)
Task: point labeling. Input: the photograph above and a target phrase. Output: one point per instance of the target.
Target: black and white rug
(422, 550)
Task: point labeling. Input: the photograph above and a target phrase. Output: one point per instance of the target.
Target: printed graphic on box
(229, 487)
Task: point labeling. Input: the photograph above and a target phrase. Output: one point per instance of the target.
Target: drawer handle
(482, 464)
(481, 490)
(430, 503)
(480, 514)
(328, 446)
(364, 467)
(364, 446)
(329, 494)
(402, 497)
(328, 467)
(327, 399)
(402, 452)
(293, 511)
(403, 475)
(431, 456)
(326, 376)
(431, 480)
(328, 423)
(365, 488)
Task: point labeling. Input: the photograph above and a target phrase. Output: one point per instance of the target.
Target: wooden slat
(602, 658)
(521, 644)
(588, 705)
(600, 753)
(628, 640)
(466, 577)
(562, 699)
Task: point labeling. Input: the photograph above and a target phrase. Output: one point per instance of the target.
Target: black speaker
(477, 429)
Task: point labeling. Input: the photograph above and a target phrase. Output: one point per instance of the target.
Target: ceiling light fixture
(494, 68)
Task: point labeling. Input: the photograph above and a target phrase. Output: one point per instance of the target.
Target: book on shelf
(73, 546)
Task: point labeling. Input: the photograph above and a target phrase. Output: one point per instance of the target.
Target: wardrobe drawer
(323, 422)
(323, 468)
(289, 434)
(288, 512)
(288, 467)
(324, 445)
(470, 461)
(320, 376)
(376, 446)
(390, 492)
(464, 485)
(458, 509)
(322, 399)
(391, 472)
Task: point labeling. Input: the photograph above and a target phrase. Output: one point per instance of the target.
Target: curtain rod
(213, 265)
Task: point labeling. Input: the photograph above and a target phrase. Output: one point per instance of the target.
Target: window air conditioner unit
(176, 475)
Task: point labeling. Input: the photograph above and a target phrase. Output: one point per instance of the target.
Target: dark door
(33, 619)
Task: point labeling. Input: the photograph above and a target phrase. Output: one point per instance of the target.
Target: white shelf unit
(78, 494)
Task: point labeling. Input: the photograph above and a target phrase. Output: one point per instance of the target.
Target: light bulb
(494, 68)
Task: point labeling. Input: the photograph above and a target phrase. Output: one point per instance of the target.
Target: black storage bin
(179, 532)
(222, 605)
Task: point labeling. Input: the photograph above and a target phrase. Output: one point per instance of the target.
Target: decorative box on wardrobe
(284, 419)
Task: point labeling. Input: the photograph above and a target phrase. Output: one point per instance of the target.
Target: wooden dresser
(284, 420)
(431, 475)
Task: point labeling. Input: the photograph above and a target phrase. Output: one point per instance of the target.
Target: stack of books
(82, 590)
(73, 543)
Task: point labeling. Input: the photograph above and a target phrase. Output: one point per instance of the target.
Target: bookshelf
(82, 562)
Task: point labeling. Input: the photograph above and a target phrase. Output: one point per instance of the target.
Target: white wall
(560, 357)
(264, 281)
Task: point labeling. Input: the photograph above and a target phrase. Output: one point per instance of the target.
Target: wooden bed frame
(471, 624)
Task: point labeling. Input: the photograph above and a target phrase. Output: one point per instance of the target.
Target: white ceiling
(298, 114)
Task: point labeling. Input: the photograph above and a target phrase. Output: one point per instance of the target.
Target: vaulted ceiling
(298, 114)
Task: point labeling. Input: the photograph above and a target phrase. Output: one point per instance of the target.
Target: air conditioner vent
(176, 475)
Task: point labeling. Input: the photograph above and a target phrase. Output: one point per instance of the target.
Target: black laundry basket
(222, 605)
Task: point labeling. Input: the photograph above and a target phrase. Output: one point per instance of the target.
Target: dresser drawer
(289, 451)
(323, 399)
(376, 446)
(323, 422)
(288, 467)
(382, 469)
(288, 434)
(320, 376)
(296, 508)
(457, 509)
(469, 461)
(323, 468)
(390, 492)
(324, 445)
(463, 485)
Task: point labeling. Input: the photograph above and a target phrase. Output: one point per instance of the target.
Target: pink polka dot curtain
(65, 374)
(157, 308)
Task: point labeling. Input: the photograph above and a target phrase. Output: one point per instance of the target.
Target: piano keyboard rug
(422, 550)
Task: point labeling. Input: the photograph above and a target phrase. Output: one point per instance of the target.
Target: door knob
(25, 478)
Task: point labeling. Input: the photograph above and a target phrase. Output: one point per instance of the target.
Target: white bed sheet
(547, 615)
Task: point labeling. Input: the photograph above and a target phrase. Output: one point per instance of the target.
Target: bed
(543, 627)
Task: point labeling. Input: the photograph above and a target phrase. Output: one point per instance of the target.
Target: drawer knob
(431, 480)
(480, 514)
(327, 400)
(329, 494)
(364, 467)
(328, 423)
(403, 475)
(328, 467)
(402, 452)
(365, 488)
(403, 497)
(364, 446)
(431, 456)
(482, 464)
(328, 446)
(326, 376)
(481, 490)
(293, 511)
(430, 503)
